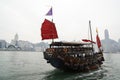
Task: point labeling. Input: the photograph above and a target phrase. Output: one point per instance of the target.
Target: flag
(86, 40)
(49, 13)
(98, 41)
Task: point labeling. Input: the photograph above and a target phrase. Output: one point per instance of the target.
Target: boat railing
(80, 50)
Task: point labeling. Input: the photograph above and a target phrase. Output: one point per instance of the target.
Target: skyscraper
(106, 34)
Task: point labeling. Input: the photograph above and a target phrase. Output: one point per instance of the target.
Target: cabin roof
(69, 44)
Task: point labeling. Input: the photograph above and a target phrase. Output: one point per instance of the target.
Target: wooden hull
(60, 63)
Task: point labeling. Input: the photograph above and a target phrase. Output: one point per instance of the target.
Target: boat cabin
(70, 48)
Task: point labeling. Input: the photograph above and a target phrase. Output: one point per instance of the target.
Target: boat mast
(91, 32)
(52, 20)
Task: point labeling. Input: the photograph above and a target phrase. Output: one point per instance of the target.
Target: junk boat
(71, 56)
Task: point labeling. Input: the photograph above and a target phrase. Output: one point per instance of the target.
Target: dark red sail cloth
(48, 30)
(98, 41)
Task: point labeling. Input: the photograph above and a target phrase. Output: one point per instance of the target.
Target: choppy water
(32, 66)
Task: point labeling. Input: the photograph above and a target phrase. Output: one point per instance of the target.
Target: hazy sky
(71, 17)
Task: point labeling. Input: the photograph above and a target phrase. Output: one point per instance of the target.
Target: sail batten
(48, 30)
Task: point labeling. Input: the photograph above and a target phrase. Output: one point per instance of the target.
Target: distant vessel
(71, 56)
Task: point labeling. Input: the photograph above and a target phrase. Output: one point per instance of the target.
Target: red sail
(98, 41)
(48, 30)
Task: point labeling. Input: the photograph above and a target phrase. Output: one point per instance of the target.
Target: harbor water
(32, 66)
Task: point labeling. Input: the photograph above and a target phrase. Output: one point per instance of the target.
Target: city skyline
(108, 44)
(16, 38)
(26, 16)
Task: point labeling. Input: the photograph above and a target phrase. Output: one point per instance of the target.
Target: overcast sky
(71, 17)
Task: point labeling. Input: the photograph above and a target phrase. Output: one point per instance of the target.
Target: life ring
(65, 50)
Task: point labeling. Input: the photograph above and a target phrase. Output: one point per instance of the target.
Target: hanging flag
(49, 13)
(98, 41)
(86, 40)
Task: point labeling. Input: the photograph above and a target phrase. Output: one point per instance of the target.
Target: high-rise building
(15, 40)
(106, 34)
(3, 44)
(109, 45)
